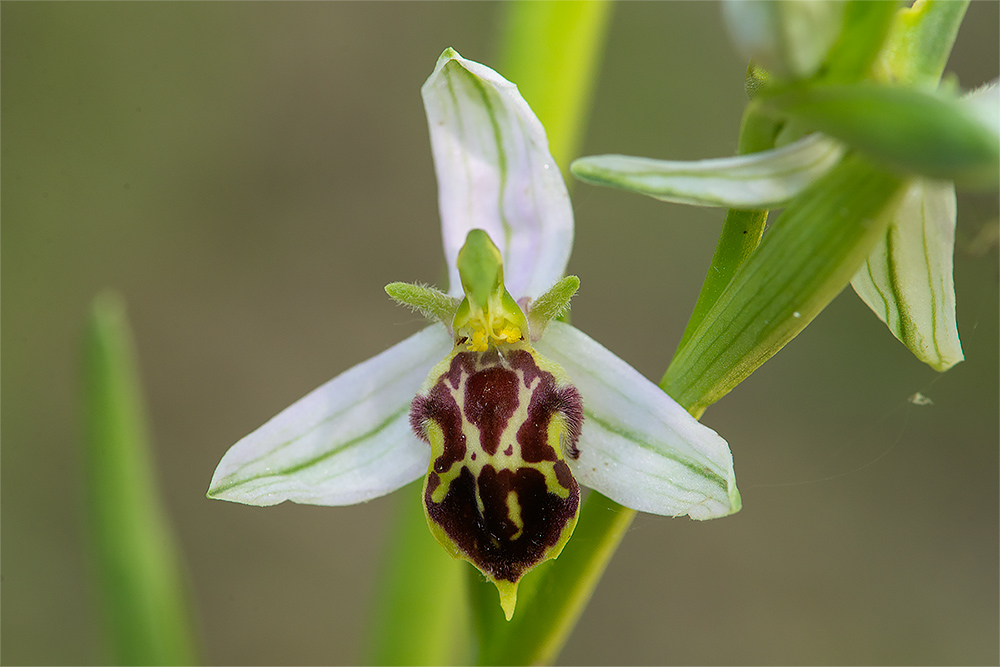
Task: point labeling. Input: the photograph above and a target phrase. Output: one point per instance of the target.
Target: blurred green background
(250, 176)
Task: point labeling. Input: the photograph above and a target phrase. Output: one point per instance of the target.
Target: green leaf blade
(806, 259)
(144, 590)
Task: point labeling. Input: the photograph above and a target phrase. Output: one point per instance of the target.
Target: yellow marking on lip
(514, 513)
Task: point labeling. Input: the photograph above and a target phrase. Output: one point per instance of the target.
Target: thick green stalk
(741, 229)
(142, 585)
(551, 50)
(560, 590)
(420, 616)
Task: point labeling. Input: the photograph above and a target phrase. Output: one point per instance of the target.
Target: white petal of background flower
(639, 447)
(495, 173)
(755, 180)
(346, 442)
(907, 280)
(984, 104)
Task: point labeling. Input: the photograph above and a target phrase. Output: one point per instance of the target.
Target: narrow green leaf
(421, 616)
(144, 590)
(552, 50)
(806, 259)
(908, 129)
(742, 229)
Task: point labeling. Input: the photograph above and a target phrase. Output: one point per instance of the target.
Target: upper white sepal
(495, 173)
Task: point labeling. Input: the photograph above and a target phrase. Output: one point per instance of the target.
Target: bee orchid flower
(502, 408)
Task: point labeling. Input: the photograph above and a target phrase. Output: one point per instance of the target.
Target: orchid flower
(502, 408)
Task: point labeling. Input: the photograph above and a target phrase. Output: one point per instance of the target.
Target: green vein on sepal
(241, 482)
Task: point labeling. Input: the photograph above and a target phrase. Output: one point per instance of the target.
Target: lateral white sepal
(638, 446)
(346, 442)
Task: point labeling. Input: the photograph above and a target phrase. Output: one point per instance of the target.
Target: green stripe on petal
(907, 279)
(495, 173)
(638, 446)
(346, 442)
(758, 180)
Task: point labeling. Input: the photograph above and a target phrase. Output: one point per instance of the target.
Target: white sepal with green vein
(347, 441)
(640, 448)
(907, 279)
(757, 180)
(495, 173)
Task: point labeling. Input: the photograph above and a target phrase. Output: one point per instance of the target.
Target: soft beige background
(251, 175)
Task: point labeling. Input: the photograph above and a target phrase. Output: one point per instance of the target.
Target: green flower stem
(741, 230)
(866, 24)
(756, 302)
(557, 591)
(920, 40)
(551, 50)
(806, 259)
(421, 611)
(144, 591)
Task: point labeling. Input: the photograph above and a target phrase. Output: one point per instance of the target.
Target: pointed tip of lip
(508, 596)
